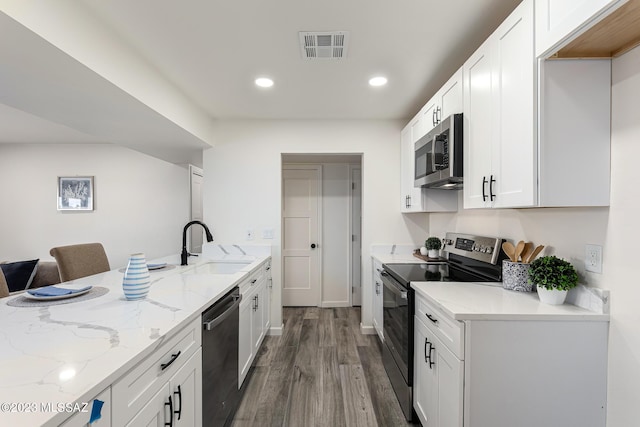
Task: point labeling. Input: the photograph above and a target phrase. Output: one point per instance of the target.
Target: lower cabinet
(438, 383)
(178, 402)
(508, 372)
(377, 298)
(254, 320)
(82, 419)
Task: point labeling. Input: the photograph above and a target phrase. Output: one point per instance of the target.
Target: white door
(195, 186)
(300, 235)
(186, 386)
(356, 237)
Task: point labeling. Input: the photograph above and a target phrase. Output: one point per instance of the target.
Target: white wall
(242, 185)
(141, 203)
(566, 231)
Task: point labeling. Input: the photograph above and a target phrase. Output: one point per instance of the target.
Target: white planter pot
(552, 297)
(433, 253)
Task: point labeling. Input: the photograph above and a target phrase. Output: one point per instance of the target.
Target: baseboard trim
(367, 330)
(334, 304)
(276, 330)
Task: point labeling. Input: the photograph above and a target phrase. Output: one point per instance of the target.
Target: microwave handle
(433, 154)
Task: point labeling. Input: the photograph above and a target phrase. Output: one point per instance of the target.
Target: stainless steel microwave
(438, 156)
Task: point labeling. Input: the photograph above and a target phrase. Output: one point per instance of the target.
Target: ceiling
(211, 51)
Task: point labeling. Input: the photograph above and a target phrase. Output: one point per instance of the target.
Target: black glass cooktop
(432, 272)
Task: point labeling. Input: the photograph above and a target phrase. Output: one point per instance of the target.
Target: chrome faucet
(184, 255)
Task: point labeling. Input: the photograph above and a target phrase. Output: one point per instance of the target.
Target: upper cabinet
(499, 116)
(560, 21)
(447, 101)
(537, 132)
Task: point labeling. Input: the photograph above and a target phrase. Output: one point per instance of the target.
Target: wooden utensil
(519, 249)
(527, 251)
(535, 253)
(510, 250)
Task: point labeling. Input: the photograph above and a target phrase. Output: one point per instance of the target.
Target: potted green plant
(553, 277)
(433, 245)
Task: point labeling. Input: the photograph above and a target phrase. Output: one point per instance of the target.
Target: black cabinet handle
(406, 201)
(268, 268)
(491, 195)
(484, 186)
(179, 393)
(433, 319)
(254, 281)
(255, 306)
(431, 362)
(257, 301)
(170, 404)
(313, 246)
(173, 359)
(409, 201)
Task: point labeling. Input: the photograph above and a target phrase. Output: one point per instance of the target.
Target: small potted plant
(433, 245)
(553, 277)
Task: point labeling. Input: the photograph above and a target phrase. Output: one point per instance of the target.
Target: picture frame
(75, 193)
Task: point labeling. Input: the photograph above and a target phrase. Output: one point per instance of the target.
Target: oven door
(398, 324)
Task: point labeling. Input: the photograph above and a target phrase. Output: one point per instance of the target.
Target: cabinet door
(559, 21)
(514, 166)
(377, 299)
(186, 388)
(411, 196)
(450, 96)
(477, 127)
(156, 413)
(257, 323)
(429, 117)
(245, 345)
(438, 381)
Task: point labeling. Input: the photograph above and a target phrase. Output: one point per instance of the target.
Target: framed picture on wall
(75, 193)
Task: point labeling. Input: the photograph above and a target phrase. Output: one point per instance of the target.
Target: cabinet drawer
(448, 330)
(132, 392)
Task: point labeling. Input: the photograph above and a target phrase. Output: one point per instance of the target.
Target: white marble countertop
(69, 353)
(475, 301)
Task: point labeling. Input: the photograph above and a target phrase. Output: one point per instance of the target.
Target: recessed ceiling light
(378, 81)
(264, 82)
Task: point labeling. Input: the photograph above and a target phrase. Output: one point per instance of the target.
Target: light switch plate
(267, 233)
(593, 258)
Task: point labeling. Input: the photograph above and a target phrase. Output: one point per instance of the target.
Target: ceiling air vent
(323, 44)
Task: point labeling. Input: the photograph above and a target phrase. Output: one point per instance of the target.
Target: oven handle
(396, 289)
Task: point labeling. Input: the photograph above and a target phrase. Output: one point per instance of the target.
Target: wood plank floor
(321, 372)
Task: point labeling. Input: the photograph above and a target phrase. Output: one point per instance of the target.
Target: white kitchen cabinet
(447, 101)
(81, 419)
(178, 401)
(438, 381)
(526, 122)
(499, 116)
(419, 199)
(254, 320)
(138, 387)
(560, 21)
(377, 298)
(505, 372)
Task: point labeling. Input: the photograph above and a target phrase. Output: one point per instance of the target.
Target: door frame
(352, 169)
(318, 168)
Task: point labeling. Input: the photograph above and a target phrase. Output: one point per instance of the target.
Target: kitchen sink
(221, 267)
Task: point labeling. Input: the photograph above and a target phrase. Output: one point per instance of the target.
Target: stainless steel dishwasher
(220, 394)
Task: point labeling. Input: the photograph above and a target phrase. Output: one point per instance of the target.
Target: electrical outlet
(593, 258)
(249, 234)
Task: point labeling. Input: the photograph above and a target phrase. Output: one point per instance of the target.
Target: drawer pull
(254, 281)
(433, 319)
(179, 394)
(170, 404)
(173, 359)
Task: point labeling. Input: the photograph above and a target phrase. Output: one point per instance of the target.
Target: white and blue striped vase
(136, 280)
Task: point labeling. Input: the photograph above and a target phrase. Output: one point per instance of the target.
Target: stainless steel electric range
(468, 258)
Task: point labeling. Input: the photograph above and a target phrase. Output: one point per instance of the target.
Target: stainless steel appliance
(220, 394)
(469, 259)
(438, 156)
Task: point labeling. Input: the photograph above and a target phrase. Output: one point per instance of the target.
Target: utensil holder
(515, 276)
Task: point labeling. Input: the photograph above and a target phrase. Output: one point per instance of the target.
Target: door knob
(313, 246)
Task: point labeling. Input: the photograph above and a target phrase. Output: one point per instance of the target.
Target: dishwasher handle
(215, 322)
